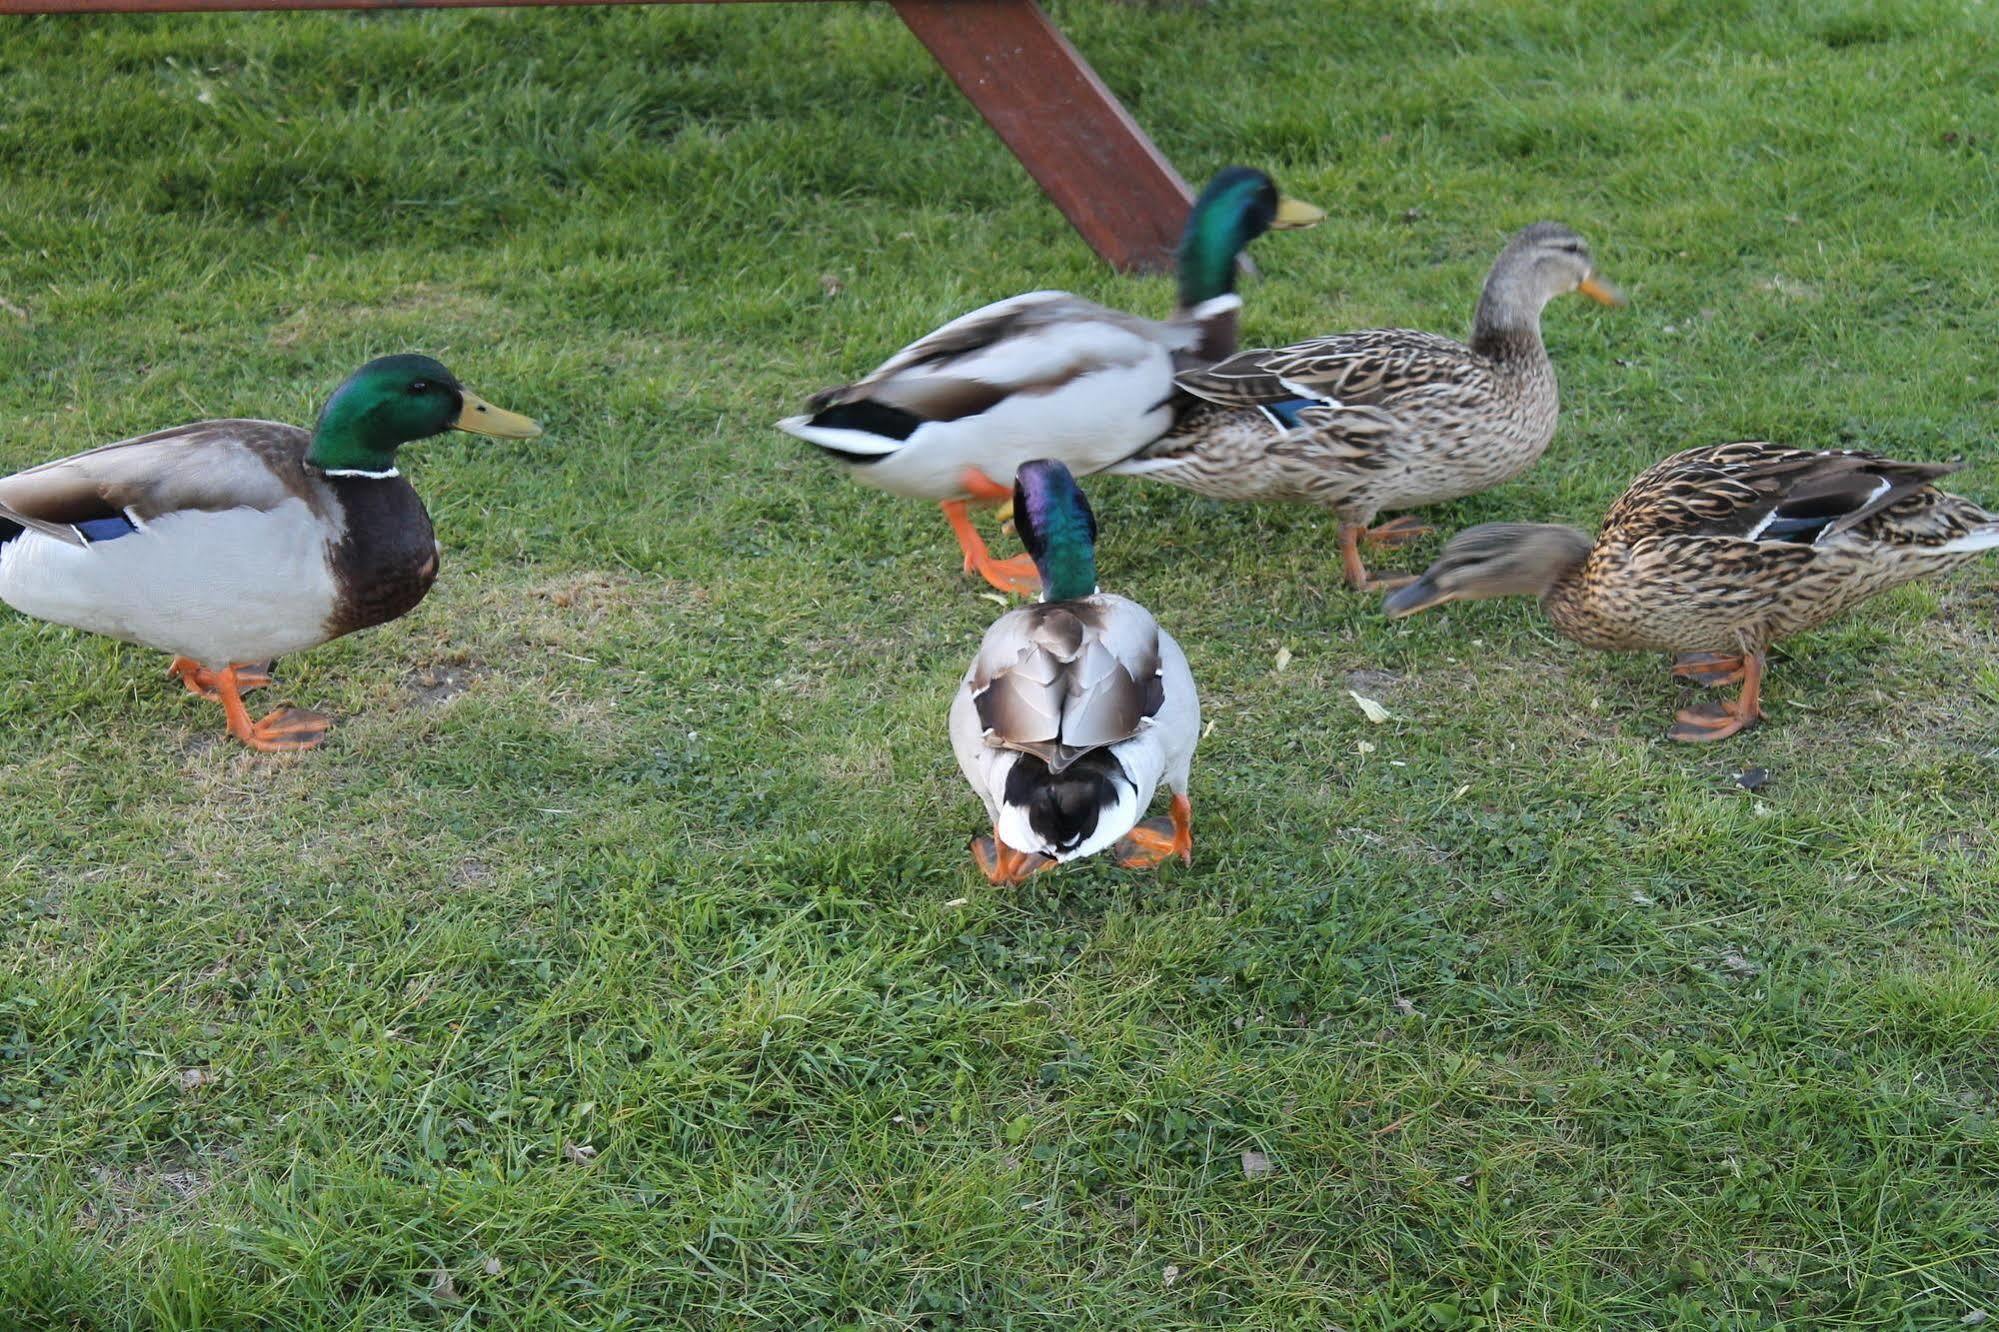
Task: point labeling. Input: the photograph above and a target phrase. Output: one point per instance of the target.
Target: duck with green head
(1075, 710)
(950, 417)
(233, 542)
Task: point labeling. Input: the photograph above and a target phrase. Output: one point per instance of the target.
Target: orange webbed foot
(1718, 721)
(1002, 864)
(1155, 841)
(1354, 568)
(282, 731)
(1017, 575)
(1709, 721)
(287, 730)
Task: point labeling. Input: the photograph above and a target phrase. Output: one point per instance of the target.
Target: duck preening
(1075, 709)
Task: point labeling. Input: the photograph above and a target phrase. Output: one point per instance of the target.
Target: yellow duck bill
(482, 418)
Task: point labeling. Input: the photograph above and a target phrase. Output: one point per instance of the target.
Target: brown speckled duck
(1385, 419)
(1718, 552)
(228, 543)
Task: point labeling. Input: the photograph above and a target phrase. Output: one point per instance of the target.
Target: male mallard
(233, 542)
(1718, 552)
(1387, 418)
(1075, 709)
(1045, 375)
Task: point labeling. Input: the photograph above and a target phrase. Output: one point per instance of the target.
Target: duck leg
(1397, 532)
(1356, 572)
(283, 730)
(201, 681)
(1157, 840)
(1718, 721)
(1017, 575)
(1000, 863)
(1716, 670)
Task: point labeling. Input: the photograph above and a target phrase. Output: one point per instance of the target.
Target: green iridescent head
(1239, 204)
(392, 400)
(1058, 529)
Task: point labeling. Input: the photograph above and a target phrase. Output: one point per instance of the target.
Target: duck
(1383, 419)
(950, 417)
(1716, 553)
(229, 543)
(1076, 709)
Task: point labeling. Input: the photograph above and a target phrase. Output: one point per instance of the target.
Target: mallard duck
(229, 543)
(1044, 375)
(1075, 709)
(1384, 419)
(1718, 552)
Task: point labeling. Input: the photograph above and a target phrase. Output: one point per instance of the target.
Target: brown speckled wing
(1354, 369)
(1769, 494)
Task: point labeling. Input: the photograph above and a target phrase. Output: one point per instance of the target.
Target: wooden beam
(1009, 60)
(1080, 145)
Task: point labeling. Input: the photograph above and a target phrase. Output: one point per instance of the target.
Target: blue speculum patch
(1287, 411)
(106, 529)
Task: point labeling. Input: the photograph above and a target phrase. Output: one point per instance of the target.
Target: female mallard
(1045, 375)
(1715, 554)
(1385, 419)
(233, 542)
(1075, 709)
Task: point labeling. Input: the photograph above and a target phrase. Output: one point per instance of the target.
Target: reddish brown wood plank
(1052, 110)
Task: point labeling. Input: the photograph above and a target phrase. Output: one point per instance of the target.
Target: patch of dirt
(133, 1194)
(590, 589)
(436, 685)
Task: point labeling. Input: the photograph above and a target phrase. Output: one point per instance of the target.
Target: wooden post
(1046, 104)
(1064, 125)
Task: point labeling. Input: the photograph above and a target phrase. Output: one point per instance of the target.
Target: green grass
(642, 835)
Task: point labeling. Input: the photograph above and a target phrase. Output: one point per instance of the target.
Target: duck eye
(420, 386)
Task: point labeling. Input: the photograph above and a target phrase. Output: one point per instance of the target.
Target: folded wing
(1060, 680)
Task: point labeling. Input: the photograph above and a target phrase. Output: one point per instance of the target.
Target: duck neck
(343, 445)
(1208, 253)
(1568, 608)
(1068, 566)
(1206, 262)
(1506, 327)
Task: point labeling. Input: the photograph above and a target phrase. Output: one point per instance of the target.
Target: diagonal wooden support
(1047, 105)
(1032, 87)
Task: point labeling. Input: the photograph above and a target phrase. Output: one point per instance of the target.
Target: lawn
(619, 962)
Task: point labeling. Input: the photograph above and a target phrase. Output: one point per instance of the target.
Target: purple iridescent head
(1058, 529)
